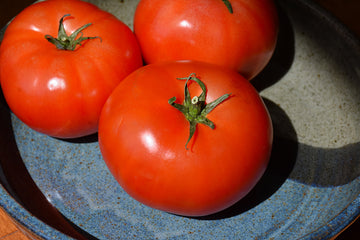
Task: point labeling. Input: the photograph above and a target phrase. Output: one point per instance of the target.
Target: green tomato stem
(65, 42)
(228, 5)
(195, 109)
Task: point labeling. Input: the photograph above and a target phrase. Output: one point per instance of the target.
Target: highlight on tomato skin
(146, 140)
(60, 60)
(239, 34)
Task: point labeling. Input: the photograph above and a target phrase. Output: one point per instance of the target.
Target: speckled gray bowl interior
(310, 190)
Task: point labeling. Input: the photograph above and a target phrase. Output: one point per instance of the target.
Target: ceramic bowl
(62, 189)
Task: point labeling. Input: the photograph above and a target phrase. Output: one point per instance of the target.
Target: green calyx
(65, 42)
(195, 109)
(228, 5)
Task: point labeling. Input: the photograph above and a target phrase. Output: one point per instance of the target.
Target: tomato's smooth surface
(142, 139)
(205, 30)
(61, 92)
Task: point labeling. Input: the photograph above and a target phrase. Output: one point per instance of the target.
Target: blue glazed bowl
(311, 190)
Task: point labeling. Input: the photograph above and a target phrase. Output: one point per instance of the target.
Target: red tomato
(205, 30)
(61, 92)
(143, 138)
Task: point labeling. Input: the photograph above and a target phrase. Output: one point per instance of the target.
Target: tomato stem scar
(66, 42)
(195, 109)
(228, 5)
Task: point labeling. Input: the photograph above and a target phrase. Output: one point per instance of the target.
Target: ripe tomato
(143, 137)
(61, 92)
(205, 30)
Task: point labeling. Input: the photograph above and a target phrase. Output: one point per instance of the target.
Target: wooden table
(348, 11)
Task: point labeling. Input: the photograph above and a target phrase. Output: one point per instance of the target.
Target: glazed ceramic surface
(311, 188)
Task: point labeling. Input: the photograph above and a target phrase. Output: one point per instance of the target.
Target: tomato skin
(60, 92)
(204, 30)
(142, 139)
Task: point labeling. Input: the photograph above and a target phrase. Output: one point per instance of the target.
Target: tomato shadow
(282, 161)
(86, 139)
(283, 56)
